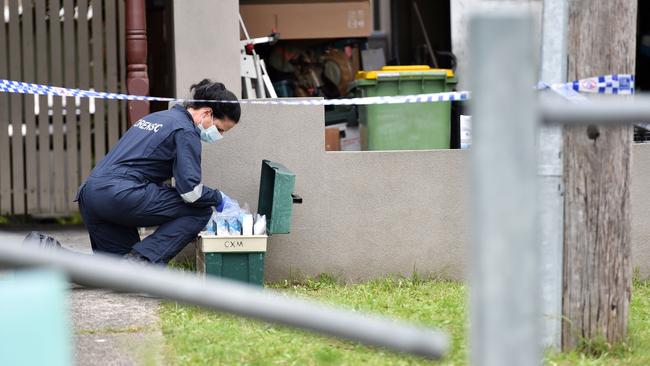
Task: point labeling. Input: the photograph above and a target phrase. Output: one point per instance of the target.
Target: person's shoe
(41, 240)
(135, 257)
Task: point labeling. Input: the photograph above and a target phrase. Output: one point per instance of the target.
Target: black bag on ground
(35, 238)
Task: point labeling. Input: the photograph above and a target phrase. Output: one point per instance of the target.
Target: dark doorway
(408, 46)
(643, 47)
(160, 51)
(643, 61)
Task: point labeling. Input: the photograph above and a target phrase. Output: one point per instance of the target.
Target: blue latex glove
(224, 198)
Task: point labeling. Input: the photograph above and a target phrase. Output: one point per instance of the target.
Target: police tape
(619, 84)
(571, 91)
(20, 87)
(622, 84)
(566, 92)
(606, 84)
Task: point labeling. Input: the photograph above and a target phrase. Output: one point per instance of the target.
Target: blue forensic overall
(126, 190)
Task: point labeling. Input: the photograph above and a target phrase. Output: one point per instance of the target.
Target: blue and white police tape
(619, 84)
(20, 87)
(608, 84)
(566, 91)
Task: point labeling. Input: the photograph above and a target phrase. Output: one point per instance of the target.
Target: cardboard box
(332, 139)
(307, 19)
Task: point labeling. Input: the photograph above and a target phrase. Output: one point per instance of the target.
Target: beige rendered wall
(365, 214)
(368, 214)
(640, 195)
(206, 42)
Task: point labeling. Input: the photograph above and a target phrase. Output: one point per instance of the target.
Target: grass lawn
(197, 337)
(635, 352)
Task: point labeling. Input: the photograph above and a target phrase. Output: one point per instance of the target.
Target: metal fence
(505, 268)
(505, 313)
(48, 145)
(232, 297)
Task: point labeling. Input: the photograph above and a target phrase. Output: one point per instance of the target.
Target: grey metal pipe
(504, 274)
(228, 296)
(606, 111)
(555, 23)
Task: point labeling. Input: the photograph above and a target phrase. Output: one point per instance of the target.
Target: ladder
(255, 78)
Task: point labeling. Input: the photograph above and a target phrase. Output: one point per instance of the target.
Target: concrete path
(110, 328)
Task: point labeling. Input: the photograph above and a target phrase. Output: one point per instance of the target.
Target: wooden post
(597, 271)
(137, 81)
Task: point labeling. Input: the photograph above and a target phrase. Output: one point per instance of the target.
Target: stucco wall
(365, 214)
(206, 41)
(640, 193)
(368, 214)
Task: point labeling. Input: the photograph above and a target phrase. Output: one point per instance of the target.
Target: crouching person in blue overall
(126, 190)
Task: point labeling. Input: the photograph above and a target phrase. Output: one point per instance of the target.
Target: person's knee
(202, 217)
(206, 213)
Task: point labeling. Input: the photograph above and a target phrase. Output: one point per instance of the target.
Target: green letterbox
(242, 257)
(276, 196)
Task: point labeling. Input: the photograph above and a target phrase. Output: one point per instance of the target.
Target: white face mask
(210, 134)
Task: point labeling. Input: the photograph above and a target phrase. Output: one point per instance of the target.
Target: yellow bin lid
(392, 70)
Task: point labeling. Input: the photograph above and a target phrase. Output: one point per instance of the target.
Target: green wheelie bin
(414, 126)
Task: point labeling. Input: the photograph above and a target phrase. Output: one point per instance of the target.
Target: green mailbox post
(276, 197)
(242, 257)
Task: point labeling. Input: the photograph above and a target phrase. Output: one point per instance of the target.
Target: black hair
(206, 89)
